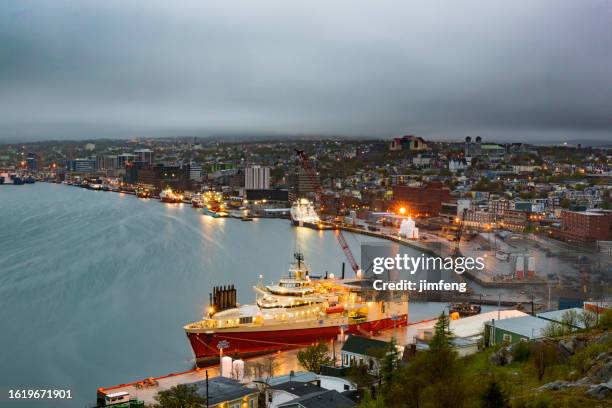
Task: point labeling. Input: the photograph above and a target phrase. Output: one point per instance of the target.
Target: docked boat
(297, 311)
(196, 201)
(303, 213)
(465, 309)
(143, 193)
(169, 196)
(213, 205)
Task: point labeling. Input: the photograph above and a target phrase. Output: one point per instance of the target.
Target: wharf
(435, 249)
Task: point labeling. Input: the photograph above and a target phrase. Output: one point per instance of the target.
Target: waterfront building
(195, 172)
(257, 178)
(161, 177)
(358, 350)
(268, 195)
(585, 226)
(32, 162)
(423, 200)
(83, 165)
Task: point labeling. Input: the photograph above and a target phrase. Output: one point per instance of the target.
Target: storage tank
(531, 267)
(408, 229)
(519, 272)
(226, 366)
(238, 370)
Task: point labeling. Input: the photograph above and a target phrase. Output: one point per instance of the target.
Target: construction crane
(460, 221)
(310, 172)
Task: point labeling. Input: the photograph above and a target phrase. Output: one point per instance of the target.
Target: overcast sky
(520, 70)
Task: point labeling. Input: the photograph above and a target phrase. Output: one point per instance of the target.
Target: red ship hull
(247, 343)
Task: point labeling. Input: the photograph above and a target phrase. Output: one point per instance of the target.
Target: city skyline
(508, 72)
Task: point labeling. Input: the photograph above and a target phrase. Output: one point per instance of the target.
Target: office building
(257, 178)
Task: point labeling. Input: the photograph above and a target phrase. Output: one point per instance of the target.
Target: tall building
(195, 171)
(87, 165)
(257, 178)
(32, 161)
(144, 155)
(303, 182)
(123, 159)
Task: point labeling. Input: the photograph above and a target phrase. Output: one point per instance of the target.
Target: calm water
(95, 286)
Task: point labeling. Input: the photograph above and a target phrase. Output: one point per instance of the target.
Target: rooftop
(527, 326)
(363, 345)
(557, 316)
(222, 389)
(323, 399)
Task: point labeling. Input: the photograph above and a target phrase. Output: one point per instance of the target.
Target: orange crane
(310, 172)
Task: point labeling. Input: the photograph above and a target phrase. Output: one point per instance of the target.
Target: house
(509, 331)
(362, 350)
(227, 393)
(322, 399)
(467, 332)
(285, 388)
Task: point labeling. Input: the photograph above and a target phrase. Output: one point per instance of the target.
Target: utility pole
(207, 406)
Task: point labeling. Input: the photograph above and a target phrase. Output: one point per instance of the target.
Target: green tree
(359, 375)
(369, 402)
(314, 356)
(493, 397)
(442, 333)
(181, 396)
(389, 362)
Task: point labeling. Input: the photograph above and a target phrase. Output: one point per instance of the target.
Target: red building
(586, 226)
(424, 200)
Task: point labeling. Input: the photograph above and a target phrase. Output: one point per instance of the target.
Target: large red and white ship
(299, 310)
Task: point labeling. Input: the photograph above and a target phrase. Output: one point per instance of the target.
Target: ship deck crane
(310, 172)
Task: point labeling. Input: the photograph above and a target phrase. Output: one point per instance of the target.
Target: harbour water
(96, 286)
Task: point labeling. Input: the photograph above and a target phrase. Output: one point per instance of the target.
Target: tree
(359, 375)
(587, 318)
(369, 402)
(543, 355)
(442, 333)
(493, 397)
(312, 357)
(389, 362)
(181, 396)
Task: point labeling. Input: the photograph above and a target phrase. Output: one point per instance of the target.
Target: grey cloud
(504, 69)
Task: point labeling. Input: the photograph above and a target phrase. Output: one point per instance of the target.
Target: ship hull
(248, 343)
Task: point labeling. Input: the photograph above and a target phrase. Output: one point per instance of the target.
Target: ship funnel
(223, 297)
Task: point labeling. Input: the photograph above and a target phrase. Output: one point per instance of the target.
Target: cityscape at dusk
(335, 204)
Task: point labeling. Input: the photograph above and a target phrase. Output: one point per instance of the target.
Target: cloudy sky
(519, 69)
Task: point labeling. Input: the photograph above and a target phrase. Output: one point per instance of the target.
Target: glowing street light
(402, 210)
